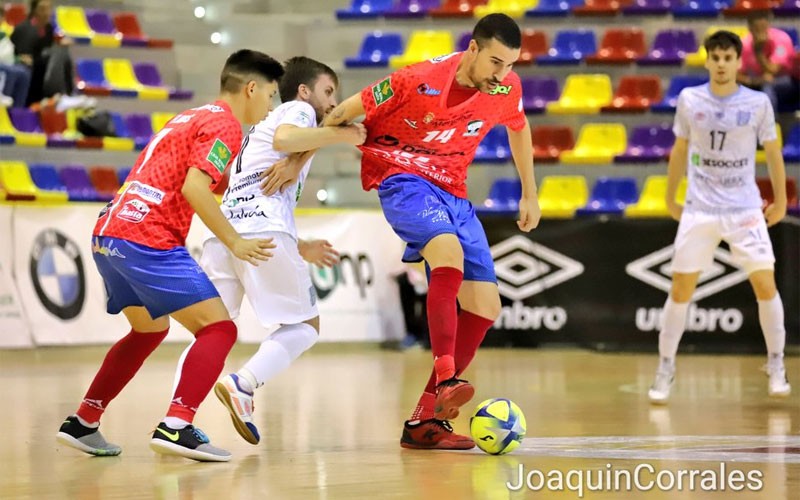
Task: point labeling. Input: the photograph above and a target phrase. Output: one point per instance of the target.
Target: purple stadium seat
(648, 143)
(100, 22)
(25, 120)
(789, 8)
(610, 195)
(670, 48)
(147, 74)
(79, 186)
(463, 41)
(412, 8)
(122, 174)
(649, 7)
(376, 49)
(537, 92)
(140, 129)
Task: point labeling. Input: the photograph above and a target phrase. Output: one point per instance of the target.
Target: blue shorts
(163, 281)
(418, 211)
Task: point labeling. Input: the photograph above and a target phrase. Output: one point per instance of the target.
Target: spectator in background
(767, 56)
(15, 77)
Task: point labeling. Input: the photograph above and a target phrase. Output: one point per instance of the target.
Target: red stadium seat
(105, 181)
(128, 24)
(743, 8)
(601, 7)
(534, 44)
(620, 46)
(635, 94)
(765, 186)
(15, 13)
(456, 8)
(550, 141)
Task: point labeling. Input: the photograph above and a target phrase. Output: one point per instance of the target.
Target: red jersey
(411, 130)
(149, 208)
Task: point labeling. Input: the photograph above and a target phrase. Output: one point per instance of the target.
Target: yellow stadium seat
(16, 181)
(159, 119)
(597, 143)
(6, 28)
(34, 140)
(584, 94)
(73, 22)
(118, 144)
(653, 200)
(698, 59)
(120, 74)
(761, 155)
(424, 45)
(512, 8)
(561, 195)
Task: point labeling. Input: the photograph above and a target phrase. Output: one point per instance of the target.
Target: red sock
(442, 316)
(424, 409)
(121, 363)
(201, 368)
(471, 331)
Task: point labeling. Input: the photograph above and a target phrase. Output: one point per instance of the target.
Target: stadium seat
(698, 59)
(456, 8)
(147, 73)
(71, 22)
(424, 45)
(649, 7)
(105, 182)
(411, 8)
(140, 129)
(82, 142)
(54, 124)
(598, 143)
(503, 197)
(595, 8)
(610, 195)
(550, 141)
(583, 94)
(761, 155)
(537, 92)
(619, 46)
(105, 33)
(30, 135)
(376, 49)
(553, 8)
(789, 8)
(132, 35)
(678, 83)
(79, 186)
(159, 119)
(570, 47)
(699, 8)
(791, 151)
(364, 9)
(512, 8)
(15, 182)
(50, 189)
(92, 81)
(560, 196)
(670, 48)
(648, 143)
(494, 147)
(121, 76)
(15, 13)
(793, 34)
(463, 41)
(653, 200)
(635, 94)
(122, 175)
(743, 8)
(534, 44)
(765, 187)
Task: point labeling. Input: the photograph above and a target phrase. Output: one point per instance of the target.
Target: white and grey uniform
(722, 200)
(280, 289)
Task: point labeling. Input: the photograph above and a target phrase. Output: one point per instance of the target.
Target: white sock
(770, 316)
(93, 425)
(673, 322)
(175, 423)
(278, 351)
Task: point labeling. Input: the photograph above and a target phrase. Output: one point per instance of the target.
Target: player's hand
(529, 213)
(675, 210)
(252, 250)
(282, 174)
(774, 213)
(356, 133)
(318, 252)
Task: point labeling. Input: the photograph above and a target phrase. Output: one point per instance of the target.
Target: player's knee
(763, 284)
(313, 323)
(493, 307)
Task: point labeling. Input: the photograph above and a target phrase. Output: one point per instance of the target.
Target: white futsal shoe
(659, 391)
(778, 384)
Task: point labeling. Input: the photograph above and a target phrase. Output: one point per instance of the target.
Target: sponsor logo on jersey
(743, 118)
(147, 193)
(394, 142)
(699, 116)
(219, 155)
(429, 116)
(445, 57)
(242, 214)
(473, 128)
(741, 162)
(134, 211)
(424, 89)
(411, 123)
(501, 90)
(232, 202)
(382, 91)
(108, 250)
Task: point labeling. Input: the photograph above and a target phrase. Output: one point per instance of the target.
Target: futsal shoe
(433, 434)
(189, 442)
(778, 384)
(240, 405)
(86, 439)
(659, 391)
(451, 394)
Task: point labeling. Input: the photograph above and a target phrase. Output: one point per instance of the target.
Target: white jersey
(245, 206)
(723, 134)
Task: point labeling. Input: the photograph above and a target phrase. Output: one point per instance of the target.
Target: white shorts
(700, 233)
(279, 289)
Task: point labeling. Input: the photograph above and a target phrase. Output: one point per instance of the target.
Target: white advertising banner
(14, 331)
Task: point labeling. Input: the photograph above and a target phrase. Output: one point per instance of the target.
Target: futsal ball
(497, 426)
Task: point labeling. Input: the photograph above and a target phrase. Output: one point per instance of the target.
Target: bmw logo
(57, 275)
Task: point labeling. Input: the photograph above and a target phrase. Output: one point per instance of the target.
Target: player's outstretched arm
(776, 210)
(196, 191)
(347, 111)
(675, 172)
(293, 139)
(522, 151)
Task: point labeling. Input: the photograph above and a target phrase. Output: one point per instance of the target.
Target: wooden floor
(331, 424)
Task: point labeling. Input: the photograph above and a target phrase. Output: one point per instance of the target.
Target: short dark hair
(245, 65)
(302, 70)
(758, 15)
(500, 27)
(724, 40)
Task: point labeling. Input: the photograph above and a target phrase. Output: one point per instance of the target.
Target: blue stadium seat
(553, 8)
(792, 32)
(610, 195)
(494, 147)
(503, 197)
(122, 174)
(791, 151)
(46, 177)
(570, 47)
(376, 49)
(678, 83)
(700, 8)
(364, 9)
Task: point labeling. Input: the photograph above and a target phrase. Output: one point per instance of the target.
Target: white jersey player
(280, 289)
(717, 127)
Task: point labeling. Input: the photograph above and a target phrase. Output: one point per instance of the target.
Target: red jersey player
(138, 246)
(424, 124)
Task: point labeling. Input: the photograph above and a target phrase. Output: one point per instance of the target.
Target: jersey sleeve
(681, 126)
(766, 125)
(387, 94)
(513, 115)
(216, 143)
(301, 114)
